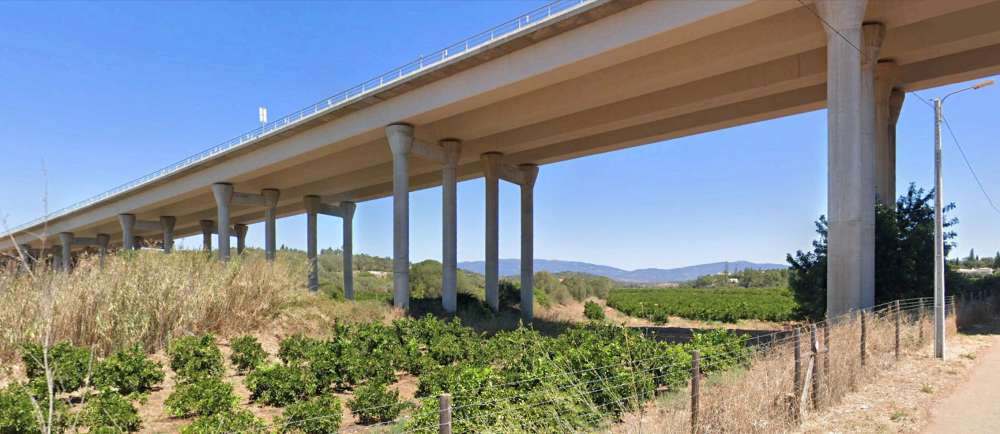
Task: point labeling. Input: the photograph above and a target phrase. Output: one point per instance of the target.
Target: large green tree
(904, 254)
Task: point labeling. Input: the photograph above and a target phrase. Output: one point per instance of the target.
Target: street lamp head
(983, 84)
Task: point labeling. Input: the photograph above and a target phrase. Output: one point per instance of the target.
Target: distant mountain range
(510, 267)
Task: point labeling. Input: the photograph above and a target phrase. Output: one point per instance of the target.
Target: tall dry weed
(143, 297)
(759, 398)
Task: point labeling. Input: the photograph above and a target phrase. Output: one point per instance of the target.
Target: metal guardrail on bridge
(505, 30)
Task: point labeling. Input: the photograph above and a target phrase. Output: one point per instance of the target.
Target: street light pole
(939, 223)
(938, 238)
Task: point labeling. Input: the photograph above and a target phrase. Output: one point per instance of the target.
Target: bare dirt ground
(975, 407)
(901, 399)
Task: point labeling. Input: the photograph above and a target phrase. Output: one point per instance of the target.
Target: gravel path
(975, 406)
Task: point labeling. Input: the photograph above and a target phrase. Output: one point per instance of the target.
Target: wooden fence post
(920, 320)
(898, 315)
(817, 374)
(444, 413)
(798, 360)
(826, 349)
(864, 336)
(695, 388)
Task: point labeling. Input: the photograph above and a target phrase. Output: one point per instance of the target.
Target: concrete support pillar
(168, 223)
(127, 222)
(27, 254)
(872, 35)
(66, 241)
(492, 165)
(400, 137)
(529, 172)
(886, 76)
(102, 247)
(57, 263)
(896, 98)
(270, 227)
(449, 223)
(207, 227)
(241, 237)
(312, 205)
(850, 189)
(223, 196)
(347, 211)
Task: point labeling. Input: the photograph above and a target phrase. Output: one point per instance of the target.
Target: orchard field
(707, 304)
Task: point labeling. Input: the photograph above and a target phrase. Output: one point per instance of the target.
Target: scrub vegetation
(95, 343)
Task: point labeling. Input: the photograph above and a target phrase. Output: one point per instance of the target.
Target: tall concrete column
(127, 222)
(347, 209)
(896, 98)
(886, 76)
(66, 239)
(241, 237)
(449, 223)
(872, 34)
(312, 205)
(529, 172)
(168, 223)
(491, 165)
(400, 137)
(102, 247)
(57, 262)
(223, 196)
(207, 227)
(270, 227)
(850, 189)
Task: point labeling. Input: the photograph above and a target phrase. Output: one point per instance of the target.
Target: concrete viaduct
(575, 78)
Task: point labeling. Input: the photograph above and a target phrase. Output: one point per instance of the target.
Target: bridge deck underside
(731, 65)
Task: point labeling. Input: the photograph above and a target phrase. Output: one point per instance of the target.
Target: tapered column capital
(271, 196)
(896, 98)
(223, 193)
(452, 151)
(207, 225)
(841, 15)
(400, 138)
(240, 230)
(347, 209)
(872, 37)
(492, 163)
(312, 203)
(529, 173)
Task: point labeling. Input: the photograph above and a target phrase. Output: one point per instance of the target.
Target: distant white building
(975, 272)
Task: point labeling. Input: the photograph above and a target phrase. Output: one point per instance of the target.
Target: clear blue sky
(101, 93)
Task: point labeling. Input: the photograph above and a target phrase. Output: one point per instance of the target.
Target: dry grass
(759, 399)
(143, 297)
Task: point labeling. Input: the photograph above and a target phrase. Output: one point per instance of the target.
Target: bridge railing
(502, 31)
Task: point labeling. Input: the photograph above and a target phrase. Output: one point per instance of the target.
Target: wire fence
(462, 49)
(794, 365)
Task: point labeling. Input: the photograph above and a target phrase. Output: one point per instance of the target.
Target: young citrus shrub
(247, 354)
(69, 365)
(296, 348)
(318, 415)
(593, 311)
(202, 397)
(17, 412)
(375, 403)
(239, 421)
(108, 411)
(128, 371)
(280, 385)
(195, 357)
(17, 415)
